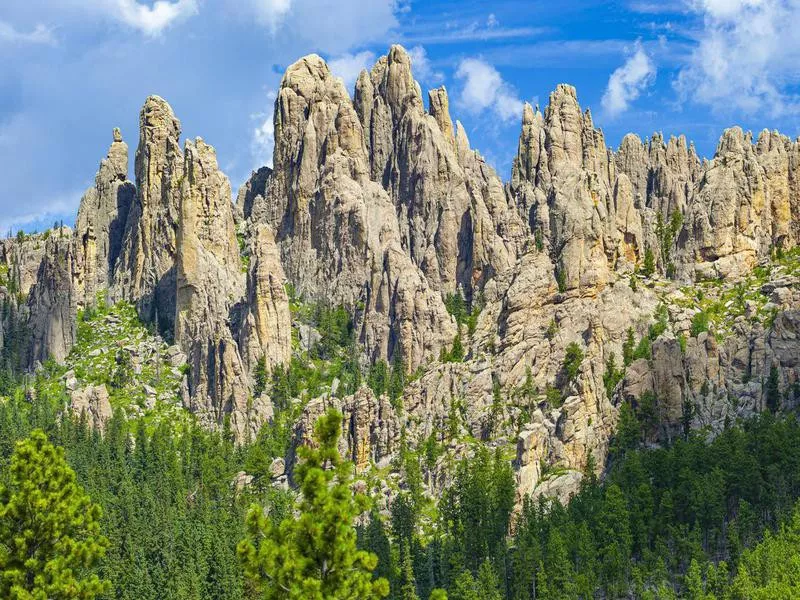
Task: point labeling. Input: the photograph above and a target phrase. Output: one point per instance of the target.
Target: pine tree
(628, 347)
(649, 266)
(314, 556)
(49, 528)
(408, 587)
(773, 389)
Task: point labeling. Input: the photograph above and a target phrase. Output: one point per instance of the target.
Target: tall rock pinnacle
(145, 273)
(101, 222)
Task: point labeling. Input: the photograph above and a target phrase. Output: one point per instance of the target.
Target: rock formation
(100, 224)
(337, 229)
(209, 281)
(381, 206)
(52, 305)
(266, 331)
(449, 203)
(145, 271)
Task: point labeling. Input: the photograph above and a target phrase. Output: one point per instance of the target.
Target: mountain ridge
(381, 207)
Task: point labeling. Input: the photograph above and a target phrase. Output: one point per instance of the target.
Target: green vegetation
(456, 352)
(170, 510)
(313, 556)
(244, 251)
(561, 280)
(649, 266)
(699, 323)
(573, 357)
(49, 528)
(464, 313)
(113, 348)
(666, 234)
(612, 375)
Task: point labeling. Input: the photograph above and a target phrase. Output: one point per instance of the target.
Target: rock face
(145, 272)
(266, 331)
(92, 403)
(209, 280)
(448, 201)
(22, 258)
(337, 229)
(743, 204)
(370, 428)
(101, 222)
(52, 305)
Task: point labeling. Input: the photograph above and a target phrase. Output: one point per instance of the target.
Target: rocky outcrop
(742, 207)
(450, 203)
(266, 331)
(370, 428)
(251, 198)
(145, 272)
(381, 206)
(562, 180)
(101, 222)
(92, 403)
(22, 256)
(209, 282)
(337, 229)
(52, 306)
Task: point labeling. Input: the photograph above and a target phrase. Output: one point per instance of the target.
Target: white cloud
(422, 68)
(263, 142)
(152, 20)
(746, 57)
(41, 34)
(270, 12)
(485, 89)
(628, 82)
(348, 66)
(327, 26)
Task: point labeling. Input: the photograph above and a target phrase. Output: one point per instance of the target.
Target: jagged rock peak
(145, 272)
(208, 283)
(52, 305)
(439, 105)
(100, 224)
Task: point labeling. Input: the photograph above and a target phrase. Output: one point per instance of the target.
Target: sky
(72, 70)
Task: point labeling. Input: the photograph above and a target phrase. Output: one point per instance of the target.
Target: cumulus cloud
(628, 82)
(746, 57)
(152, 19)
(422, 67)
(329, 26)
(348, 66)
(484, 89)
(263, 142)
(270, 12)
(41, 34)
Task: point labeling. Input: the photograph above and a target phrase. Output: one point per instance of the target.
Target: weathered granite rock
(370, 428)
(337, 230)
(450, 204)
(52, 306)
(92, 402)
(101, 222)
(22, 257)
(266, 330)
(209, 281)
(145, 273)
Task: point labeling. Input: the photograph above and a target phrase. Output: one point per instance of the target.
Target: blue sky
(71, 70)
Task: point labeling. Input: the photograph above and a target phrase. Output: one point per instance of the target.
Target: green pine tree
(49, 528)
(314, 556)
(408, 586)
